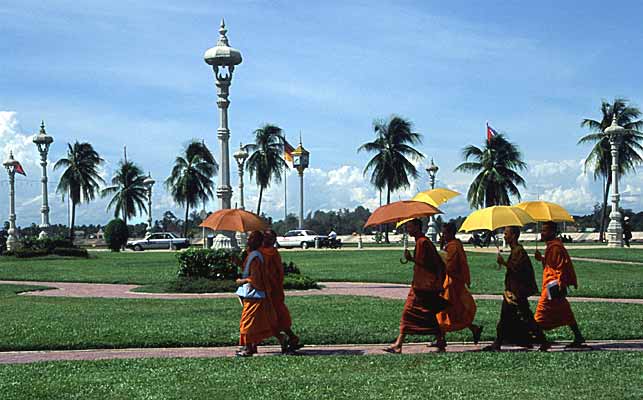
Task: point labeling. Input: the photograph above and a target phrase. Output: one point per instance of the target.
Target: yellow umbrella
(434, 197)
(492, 218)
(545, 211)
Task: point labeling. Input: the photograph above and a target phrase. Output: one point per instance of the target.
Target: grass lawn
(528, 376)
(153, 268)
(625, 254)
(37, 323)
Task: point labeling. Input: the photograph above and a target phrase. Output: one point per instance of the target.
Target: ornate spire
(223, 39)
(42, 128)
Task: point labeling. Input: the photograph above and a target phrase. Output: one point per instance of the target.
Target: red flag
(490, 133)
(288, 149)
(19, 169)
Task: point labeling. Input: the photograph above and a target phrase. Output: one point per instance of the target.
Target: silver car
(158, 240)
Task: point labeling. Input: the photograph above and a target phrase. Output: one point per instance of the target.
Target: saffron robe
(462, 308)
(258, 318)
(557, 265)
(423, 300)
(275, 270)
(517, 325)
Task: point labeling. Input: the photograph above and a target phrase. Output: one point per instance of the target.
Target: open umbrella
(436, 196)
(234, 219)
(400, 210)
(545, 211)
(492, 218)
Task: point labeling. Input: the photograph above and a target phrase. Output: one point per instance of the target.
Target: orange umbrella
(234, 219)
(400, 210)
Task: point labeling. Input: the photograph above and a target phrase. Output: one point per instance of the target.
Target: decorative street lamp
(432, 232)
(223, 59)
(43, 141)
(241, 155)
(12, 165)
(300, 158)
(149, 182)
(615, 229)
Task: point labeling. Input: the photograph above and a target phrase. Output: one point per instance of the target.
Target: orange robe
(275, 271)
(258, 319)
(462, 308)
(423, 300)
(557, 265)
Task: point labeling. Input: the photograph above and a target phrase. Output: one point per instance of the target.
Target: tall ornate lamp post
(432, 231)
(300, 159)
(223, 59)
(241, 155)
(149, 182)
(43, 141)
(10, 164)
(615, 229)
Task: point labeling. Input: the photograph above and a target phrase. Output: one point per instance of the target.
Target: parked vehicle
(299, 238)
(158, 240)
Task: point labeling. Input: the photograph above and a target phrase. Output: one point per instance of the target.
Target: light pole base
(225, 240)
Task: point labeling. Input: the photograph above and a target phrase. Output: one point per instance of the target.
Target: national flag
(288, 149)
(490, 132)
(19, 169)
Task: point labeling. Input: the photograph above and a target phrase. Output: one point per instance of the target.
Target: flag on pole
(490, 132)
(288, 149)
(19, 169)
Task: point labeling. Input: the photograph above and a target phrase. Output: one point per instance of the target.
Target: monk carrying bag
(246, 291)
(554, 291)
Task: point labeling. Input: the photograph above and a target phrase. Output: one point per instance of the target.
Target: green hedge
(70, 252)
(212, 264)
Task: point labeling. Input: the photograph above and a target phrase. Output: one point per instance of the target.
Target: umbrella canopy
(436, 196)
(400, 210)
(492, 218)
(234, 219)
(545, 211)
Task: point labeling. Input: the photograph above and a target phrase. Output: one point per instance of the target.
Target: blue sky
(116, 73)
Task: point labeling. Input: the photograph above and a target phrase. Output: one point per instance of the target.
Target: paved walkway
(23, 357)
(382, 290)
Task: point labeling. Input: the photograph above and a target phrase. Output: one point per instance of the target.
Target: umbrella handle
(403, 260)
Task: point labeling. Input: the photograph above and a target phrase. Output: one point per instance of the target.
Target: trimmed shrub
(48, 243)
(116, 234)
(29, 253)
(299, 282)
(70, 252)
(214, 264)
(291, 268)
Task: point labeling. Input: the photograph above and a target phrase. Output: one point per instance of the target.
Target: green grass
(595, 279)
(159, 268)
(39, 323)
(625, 254)
(527, 376)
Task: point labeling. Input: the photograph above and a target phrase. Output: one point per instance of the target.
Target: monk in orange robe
(423, 300)
(553, 309)
(258, 318)
(275, 270)
(462, 308)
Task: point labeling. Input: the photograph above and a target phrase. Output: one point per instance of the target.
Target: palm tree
(128, 189)
(599, 160)
(495, 165)
(190, 181)
(265, 162)
(80, 180)
(392, 145)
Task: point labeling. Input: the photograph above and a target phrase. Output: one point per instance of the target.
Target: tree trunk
(608, 183)
(72, 221)
(185, 225)
(259, 202)
(388, 201)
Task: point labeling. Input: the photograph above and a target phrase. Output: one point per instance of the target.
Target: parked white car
(298, 238)
(158, 240)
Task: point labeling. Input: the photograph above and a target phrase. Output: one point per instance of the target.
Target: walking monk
(517, 325)
(462, 308)
(275, 270)
(553, 309)
(423, 300)
(258, 318)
